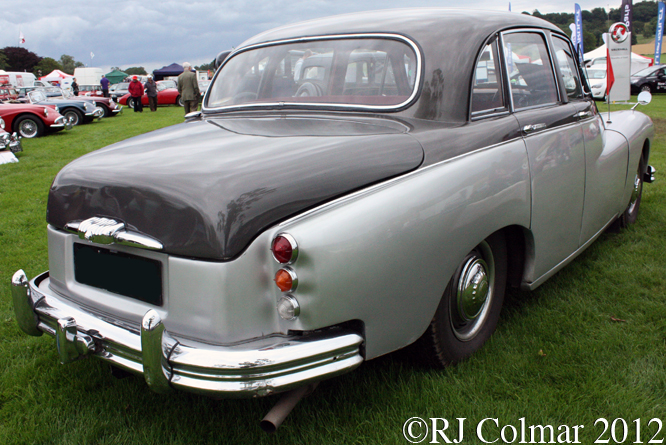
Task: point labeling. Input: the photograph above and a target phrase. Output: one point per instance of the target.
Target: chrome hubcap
(473, 293)
(473, 289)
(28, 129)
(636, 192)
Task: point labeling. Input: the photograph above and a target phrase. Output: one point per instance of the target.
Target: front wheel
(646, 88)
(75, 117)
(469, 310)
(29, 127)
(630, 214)
(130, 102)
(179, 101)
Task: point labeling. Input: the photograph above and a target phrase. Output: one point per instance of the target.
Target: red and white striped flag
(21, 38)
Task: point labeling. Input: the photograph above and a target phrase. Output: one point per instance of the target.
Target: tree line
(597, 21)
(16, 58)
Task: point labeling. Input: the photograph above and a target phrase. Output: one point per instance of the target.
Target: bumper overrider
(61, 122)
(258, 367)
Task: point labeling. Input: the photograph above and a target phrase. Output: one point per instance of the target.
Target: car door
(606, 155)
(555, 148)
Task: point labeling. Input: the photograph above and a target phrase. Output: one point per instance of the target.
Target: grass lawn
(589, 344)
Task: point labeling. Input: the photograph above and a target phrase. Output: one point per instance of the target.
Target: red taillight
(284, 248)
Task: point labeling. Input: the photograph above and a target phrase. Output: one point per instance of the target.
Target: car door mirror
(644, 98)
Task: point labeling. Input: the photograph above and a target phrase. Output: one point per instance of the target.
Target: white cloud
(153, 33)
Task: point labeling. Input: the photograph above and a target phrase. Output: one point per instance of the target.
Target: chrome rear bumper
(257, 367)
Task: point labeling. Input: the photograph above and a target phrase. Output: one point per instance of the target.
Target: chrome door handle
(534, 127)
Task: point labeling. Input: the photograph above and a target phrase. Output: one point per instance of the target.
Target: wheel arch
(16, 119)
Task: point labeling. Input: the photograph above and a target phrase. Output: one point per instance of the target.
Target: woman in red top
(136, 91)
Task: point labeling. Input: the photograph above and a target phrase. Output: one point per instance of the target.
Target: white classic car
(352, 185)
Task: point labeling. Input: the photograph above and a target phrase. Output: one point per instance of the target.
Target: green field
(589, 344)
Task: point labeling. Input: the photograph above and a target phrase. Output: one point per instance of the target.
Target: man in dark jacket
(75, 87)
(136, 91)
(188, 88)
(151, 92)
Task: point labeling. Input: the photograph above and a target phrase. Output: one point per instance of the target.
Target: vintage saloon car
(276, 239)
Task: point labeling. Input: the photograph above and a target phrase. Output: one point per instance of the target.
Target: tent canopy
(166, 71)
(56, 75)
(115, 76)
(638, 62)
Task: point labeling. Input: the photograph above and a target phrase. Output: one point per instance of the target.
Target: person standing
(105, 86)
(151, 92)
(188, 88)
(136, 92)
(75, 87)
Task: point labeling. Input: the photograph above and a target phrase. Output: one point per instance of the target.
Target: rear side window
(568, 67)
(487, 94)
(531, 75)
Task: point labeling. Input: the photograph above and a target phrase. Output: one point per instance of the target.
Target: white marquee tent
(638, 62)
(56, 75)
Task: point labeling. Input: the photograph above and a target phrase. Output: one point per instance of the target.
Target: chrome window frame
(477, 115)
(416, 90)
(549, 50)
(558, 70)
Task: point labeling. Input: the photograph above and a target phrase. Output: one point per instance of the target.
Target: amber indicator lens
(282, 250)
(283, 280)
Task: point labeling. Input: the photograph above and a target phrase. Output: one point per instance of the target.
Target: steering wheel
(307, 89)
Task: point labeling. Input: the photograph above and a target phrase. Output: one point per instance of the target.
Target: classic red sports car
(31, 121)
(165, 96)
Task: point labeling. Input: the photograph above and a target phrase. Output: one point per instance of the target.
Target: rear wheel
(469, 309)
(29, 126)
(179, 101)
(646, 88)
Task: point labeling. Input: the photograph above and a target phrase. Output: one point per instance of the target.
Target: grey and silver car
(320, 213)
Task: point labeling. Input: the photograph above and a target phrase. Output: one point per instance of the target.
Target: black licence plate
(129, 275)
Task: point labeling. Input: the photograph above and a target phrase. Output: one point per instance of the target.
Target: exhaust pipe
(283, 407)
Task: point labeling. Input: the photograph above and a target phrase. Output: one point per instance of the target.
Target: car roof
(450, 40)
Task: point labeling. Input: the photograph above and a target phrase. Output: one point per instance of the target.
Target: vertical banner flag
(578, 19)
(21, 38)
(659, 34)
(626, 11)
(618, 60)
(91, 55)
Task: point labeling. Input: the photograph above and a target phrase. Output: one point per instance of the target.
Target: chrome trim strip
(258, 367)
(415, 91)
(390, 182)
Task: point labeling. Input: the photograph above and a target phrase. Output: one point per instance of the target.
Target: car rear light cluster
(285, 251)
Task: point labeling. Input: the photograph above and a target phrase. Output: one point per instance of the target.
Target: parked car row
(41, 112)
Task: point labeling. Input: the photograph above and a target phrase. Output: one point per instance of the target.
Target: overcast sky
(153, 34)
